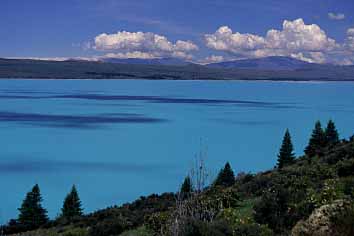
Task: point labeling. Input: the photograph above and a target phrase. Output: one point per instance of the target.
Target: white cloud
(225, 40)
(295, 39)
(336, 16)
(350, 32)
(296, 36)
(56, 58)
(312, 57)
(212, 59)
(185, 46)
(135, 54)
(349, 42)
(144, 44)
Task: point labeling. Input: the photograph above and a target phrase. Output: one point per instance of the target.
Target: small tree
(72, 205)
(286, 155)
(317, 141)
(331, 133)
(32, 214)
(187, 187)
(226, 176)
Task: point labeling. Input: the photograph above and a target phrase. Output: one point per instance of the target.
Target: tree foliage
(72, 204)
(226, 176)
(317, 141)
(286, 155)
(32, 214)
(186, 188)
(331, 133)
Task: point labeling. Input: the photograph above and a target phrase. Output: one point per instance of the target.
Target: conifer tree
(32, 214)
(331, 133)
(286, 155)
(226, 176)
(72, 205)
(187, 187)
(317, 141)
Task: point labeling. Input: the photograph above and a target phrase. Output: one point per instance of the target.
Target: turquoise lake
(120, 139)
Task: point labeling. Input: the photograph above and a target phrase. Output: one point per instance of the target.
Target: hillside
(311, 195)
(154, 61)
(267, 63)
(16, 68)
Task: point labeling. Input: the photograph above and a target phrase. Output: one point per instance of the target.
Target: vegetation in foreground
(312, 195)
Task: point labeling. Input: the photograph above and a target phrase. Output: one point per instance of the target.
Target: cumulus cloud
(295, 39)
(56, 58)
(146, 45)
(212, 59)
(224, 39)
(135, 54)
(336, 16)
(349, 42)
(296, 36)
(312, 57)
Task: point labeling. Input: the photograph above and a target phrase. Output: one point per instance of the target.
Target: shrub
(201, 228)
(345, 168)
(252, 230)
(76, 232)
(142, 231)
(275, 210)
(348, 186)
(110, 227)
(157, 222)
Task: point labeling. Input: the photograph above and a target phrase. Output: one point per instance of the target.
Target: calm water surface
(120, 139)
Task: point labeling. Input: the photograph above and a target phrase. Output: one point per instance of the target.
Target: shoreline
(231, 80)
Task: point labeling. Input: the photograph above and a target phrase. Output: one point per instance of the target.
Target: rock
(336, 219)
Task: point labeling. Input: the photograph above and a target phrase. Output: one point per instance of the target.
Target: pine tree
(317, 141)
(187, 187)
(32, 214)
(72, 205)
(226, 176)
(286, 155)
(331, 133)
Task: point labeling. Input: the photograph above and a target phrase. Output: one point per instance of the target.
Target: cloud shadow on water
(76, 121)
(39, 165)
(157, 99)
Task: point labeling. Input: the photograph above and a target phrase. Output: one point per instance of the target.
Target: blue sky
(68, 28)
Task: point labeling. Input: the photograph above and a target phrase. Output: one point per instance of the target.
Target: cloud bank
(296, 39)
(125, 44)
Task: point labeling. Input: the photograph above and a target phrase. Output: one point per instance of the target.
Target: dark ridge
(288, 69)
(267, 63)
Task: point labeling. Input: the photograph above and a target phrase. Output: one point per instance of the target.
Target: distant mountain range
(154, 61)
(274, 63)
(266, 63)
(271, 68)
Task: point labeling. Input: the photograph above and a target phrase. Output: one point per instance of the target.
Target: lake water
(120, 139)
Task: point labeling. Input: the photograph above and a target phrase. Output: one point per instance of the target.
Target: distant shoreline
(209, 79)
(32, 69)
